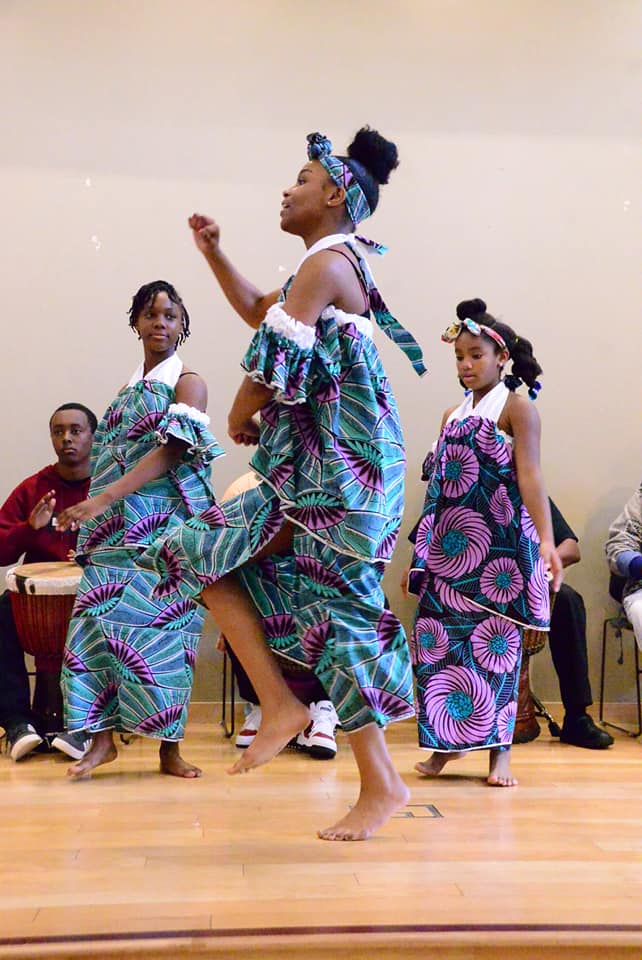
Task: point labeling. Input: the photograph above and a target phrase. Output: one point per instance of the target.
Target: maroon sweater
(46, 544)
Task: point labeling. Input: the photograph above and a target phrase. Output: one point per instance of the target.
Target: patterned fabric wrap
(132, 641)
(480, 580)
(332, 461)
(338, 627)
(320, 608)
(320, 148)
(331, 442)
(467, 670)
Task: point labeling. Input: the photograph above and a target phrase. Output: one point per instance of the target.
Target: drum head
(45, 578)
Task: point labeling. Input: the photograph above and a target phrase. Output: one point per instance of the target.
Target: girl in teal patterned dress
(331, 462)
(483, 546)
(132, 640)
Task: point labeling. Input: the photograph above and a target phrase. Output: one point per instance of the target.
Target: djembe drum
(526, 726)
(42, 597)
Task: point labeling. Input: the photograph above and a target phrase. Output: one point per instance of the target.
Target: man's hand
(42, 513)
(554, 568)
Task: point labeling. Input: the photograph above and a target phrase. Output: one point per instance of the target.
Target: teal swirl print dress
(479, 579)
(132, 641)
(331, 461)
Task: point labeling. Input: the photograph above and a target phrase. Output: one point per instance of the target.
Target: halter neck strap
(362, 247)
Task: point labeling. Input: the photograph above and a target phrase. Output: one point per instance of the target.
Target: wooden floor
(232, 865)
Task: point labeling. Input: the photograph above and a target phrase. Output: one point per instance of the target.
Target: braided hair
(145, 297)
(524, 365)
(371, 158)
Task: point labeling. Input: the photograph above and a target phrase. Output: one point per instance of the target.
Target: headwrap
(451, 333)
(320, 148)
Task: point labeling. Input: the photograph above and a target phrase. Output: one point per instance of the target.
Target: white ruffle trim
(363, 324)
(279, 395)
(183, 409)
(285, 326)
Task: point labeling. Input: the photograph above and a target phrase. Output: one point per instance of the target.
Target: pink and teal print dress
(133, 638)
(331, 461)
(480, 581)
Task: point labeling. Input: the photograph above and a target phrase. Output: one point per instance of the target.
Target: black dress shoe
(582, 732)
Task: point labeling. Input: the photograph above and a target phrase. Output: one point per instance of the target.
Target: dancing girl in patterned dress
(331, 462)
(132, 642)
(484, 551)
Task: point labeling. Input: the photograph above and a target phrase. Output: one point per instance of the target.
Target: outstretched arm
(248, 301)
(526, 428)
(191, 391)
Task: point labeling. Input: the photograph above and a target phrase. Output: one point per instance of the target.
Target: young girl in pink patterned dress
(484, 551)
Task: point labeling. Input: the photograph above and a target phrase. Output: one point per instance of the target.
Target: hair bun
(470, 309)
(378, 155)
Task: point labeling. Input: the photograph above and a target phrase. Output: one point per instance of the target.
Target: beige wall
(518, 128)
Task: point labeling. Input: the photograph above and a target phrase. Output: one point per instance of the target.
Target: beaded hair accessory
(451, 333)
(513, 382)
(320, 148)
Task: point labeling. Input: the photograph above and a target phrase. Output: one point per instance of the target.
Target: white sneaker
(21, 740)
(318, 737)
(75, 745)
(250, 728)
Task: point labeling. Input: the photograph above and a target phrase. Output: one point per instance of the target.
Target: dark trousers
(303, 683)
(14, 681)
(567, 639)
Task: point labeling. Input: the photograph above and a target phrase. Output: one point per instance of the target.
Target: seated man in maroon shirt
(26, 529)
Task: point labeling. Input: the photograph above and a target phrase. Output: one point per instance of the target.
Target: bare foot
(173, 764)
(436, 763)
(499, 774)
(275, 732)
(371, 810)
(102, 751)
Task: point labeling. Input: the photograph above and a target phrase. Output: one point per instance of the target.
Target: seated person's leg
(15, 712)
(318, 738)
(570, 658)
(633, 609)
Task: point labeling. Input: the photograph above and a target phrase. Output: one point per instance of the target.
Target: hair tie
(512, 381)
(534, 390)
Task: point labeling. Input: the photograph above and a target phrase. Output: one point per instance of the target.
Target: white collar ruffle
(167, 371)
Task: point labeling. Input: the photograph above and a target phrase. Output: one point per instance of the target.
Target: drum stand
(529, 708)
(47, 702)
(540, 711)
